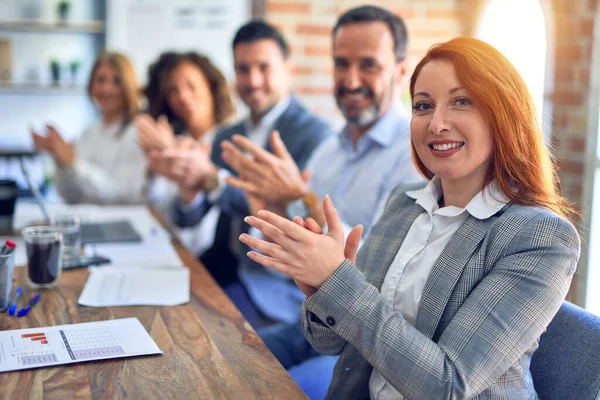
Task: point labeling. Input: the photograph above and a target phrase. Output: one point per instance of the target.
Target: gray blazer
(491, 294)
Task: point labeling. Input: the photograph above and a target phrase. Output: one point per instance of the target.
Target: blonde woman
(106, 165)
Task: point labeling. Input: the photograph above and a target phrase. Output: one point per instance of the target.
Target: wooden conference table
(209, 350)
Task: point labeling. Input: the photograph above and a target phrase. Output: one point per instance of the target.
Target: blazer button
(330, 321)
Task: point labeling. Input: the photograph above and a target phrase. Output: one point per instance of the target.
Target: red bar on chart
(35, 337)
(32, 335)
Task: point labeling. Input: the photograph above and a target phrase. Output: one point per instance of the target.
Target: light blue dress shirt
(358, 182)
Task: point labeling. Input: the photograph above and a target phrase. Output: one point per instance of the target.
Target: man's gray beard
(365, 118)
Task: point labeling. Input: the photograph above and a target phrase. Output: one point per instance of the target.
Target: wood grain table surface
(210, 351)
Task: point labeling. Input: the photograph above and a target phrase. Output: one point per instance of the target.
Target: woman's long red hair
(522, 164)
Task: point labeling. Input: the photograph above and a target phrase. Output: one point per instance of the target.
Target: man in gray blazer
(263, 80)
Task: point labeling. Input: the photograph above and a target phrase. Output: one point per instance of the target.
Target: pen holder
(8, 198)
(7, 265)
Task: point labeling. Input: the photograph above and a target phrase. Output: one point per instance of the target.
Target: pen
(25, 310)
(15, 301)
(7, 248)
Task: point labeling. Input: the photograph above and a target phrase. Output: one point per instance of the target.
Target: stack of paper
(108, 287)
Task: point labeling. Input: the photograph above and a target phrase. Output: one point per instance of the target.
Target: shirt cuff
(77, 166)
(214, 196)
(344, 293)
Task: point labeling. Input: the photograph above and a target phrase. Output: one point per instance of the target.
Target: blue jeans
(309, 369)
(240, 297)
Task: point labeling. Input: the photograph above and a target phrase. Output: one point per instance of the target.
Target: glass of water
(70, 227)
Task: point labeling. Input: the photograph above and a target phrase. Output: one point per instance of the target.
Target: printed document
(68, 344)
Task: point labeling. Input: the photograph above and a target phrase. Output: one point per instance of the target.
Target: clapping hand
(299, 252)
(274, 177)
(154, 135)
(313, 226)
(186, 164)
(63, 152)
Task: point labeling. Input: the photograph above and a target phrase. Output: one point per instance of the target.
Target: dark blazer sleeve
(301, 132)
(314, 133)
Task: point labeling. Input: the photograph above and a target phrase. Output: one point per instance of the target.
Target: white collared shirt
(426, 239)
(259, 133)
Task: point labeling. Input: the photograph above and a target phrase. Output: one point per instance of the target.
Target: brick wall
(574, 24)
(307, 26)
(573, 47)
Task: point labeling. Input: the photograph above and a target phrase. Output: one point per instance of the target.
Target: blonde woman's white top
(110, 167)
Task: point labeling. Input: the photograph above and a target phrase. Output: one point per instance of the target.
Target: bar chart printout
(66, 344)
(39, 354)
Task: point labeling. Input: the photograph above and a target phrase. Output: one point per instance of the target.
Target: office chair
(567, 363)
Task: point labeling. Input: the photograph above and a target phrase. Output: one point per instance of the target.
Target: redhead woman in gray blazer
(455, 284)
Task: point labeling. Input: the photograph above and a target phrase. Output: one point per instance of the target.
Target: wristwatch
(301, 207)
(209, 184)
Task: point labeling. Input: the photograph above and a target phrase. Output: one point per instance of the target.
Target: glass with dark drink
(44, 251)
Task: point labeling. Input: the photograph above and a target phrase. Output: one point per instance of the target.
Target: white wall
(143, 30)
(140, 29)
(70, 109)
(67, 106)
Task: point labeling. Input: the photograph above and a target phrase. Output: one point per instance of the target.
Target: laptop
(14, 152)
(98, 232)
(109, 232)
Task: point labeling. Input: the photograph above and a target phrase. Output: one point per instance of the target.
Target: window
(518, 29)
